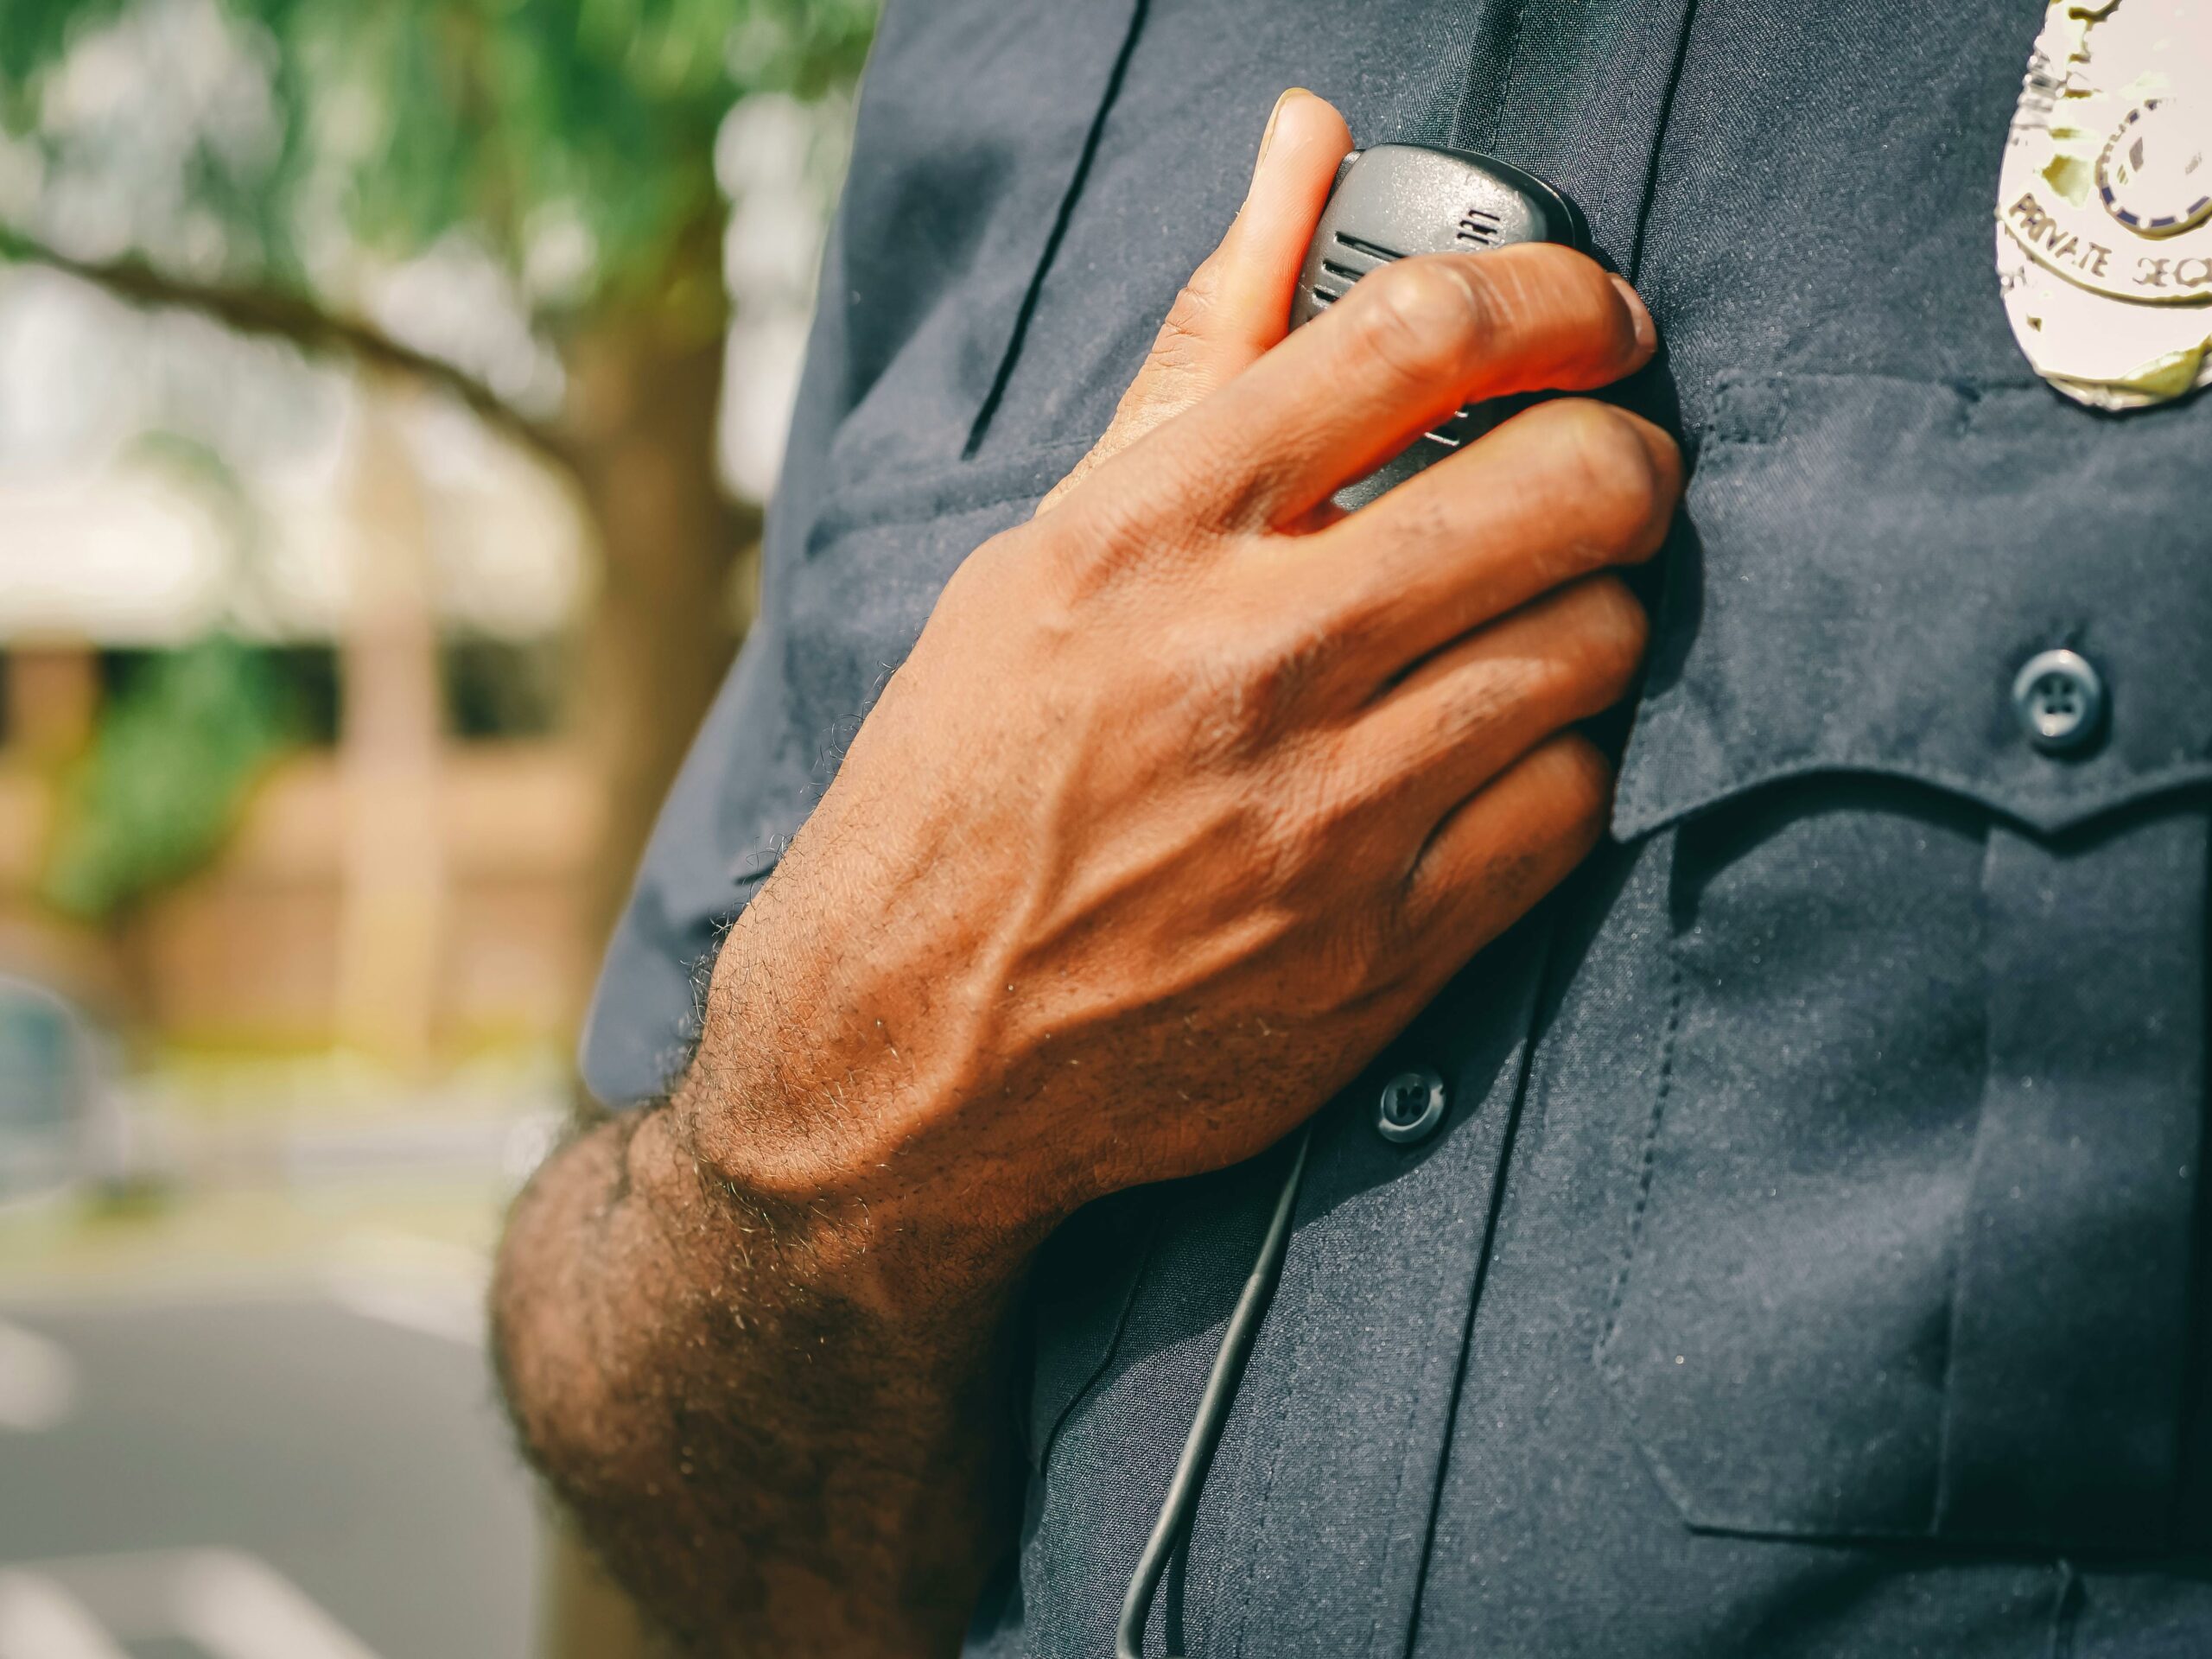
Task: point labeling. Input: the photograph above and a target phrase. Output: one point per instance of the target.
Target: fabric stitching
(2020, 806)
(1516, 33)
(1012, 355)
(1089, 1384)
(1400, 1452)
(1947, 1420)
(1478, 127)
(1648, 186)
(1674, 977)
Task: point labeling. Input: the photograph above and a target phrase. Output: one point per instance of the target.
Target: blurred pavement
(249, 1415)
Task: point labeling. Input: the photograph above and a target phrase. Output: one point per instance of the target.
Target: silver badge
(2104, 208)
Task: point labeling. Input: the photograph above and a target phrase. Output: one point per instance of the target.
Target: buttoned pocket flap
(1874, 561)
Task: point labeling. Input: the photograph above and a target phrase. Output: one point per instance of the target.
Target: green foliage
(590, 122)
(181, 739)
(292, 147)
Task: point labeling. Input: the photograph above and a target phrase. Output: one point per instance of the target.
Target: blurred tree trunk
(640, 432)
(392, 902)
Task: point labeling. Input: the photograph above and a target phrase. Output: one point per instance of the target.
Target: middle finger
(1554, 493)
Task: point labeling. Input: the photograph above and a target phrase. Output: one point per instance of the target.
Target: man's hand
(1192, 792)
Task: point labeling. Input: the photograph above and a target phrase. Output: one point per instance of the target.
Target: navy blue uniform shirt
(1810, 1262)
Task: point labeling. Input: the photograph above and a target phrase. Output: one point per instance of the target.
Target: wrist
(903, 1260)
(870, 1189)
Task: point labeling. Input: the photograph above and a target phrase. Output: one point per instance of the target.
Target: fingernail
(1275, 115)
(1647, 332)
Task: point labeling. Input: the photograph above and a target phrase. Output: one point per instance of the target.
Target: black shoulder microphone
(1397, 200)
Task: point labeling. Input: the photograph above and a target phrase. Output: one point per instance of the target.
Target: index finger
(1408, 346)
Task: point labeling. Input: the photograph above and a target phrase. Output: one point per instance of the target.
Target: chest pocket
(1912, 1252)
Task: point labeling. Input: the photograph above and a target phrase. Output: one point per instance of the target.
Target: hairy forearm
(772, 1463)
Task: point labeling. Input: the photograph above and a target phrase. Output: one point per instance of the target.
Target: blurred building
(403, 874)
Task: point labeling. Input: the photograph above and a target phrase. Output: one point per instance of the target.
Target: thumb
(1237, 303)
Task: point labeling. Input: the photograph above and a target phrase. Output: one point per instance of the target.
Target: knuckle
(1555, 305)
(1618, 625)
(1134, 508)
(1520, 287)
(1607, 463)
(1096, 551)
(1574, 295)
(1288, 840)
(1610, 635)
(1295, 848)
(1276, 681)
(1421, 317)
(1580, 777)
(1246, 697)
(1189, 325)
(1485, 698)
(1367, 947)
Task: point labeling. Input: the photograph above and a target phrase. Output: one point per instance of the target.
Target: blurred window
(503, 687)
(302, 681)
(309, 676)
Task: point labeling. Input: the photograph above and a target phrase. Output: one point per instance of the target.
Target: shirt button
(1411, 1106)
(2060, 700)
